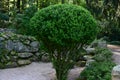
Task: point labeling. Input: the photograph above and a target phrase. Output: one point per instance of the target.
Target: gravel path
(116, 51)
(35, 71)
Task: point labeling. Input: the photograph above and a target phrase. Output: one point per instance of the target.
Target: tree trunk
(18, 5)
(63, 1)
(37, 3)
(14, 3)
(23, 4)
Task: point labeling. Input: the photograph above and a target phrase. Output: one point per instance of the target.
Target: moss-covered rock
(23, 62)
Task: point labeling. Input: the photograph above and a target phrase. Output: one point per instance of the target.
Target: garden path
(116, 50)
(35, 71)
(44, 71)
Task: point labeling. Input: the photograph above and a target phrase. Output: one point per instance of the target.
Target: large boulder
(23, 62)
(25, 55)
(102, 44)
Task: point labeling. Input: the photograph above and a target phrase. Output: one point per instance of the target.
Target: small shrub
(98, 71)
(102, 54)
(115, 42)
(22, 21)
(4, 19)
(101, 68)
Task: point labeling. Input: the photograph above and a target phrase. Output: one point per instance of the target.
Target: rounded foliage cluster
(64, 25)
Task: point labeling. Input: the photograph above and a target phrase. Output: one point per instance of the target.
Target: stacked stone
(17, 50)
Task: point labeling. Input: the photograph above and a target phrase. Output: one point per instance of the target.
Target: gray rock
(24, 62)
(34, 58)
(11, 65)
(7, 57)
(116, 73)
(10, 35)
(7, 30)
(2, 45)
(2, 39)
(9, 45)
(5, 36)
(14, 58)
(80, 63)
(90, 50)
(20, 47)
(32, 49)
(13, 53)
(87, 57)
(34, 44)
(26, 42)
(31, 38)
(25, 55)
(37, 54)
(89, 62)
(102, 44)
(45, 58)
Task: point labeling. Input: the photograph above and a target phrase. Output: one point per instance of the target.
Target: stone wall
(17, 50)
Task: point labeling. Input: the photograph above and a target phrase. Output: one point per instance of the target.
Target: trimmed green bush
(64, 24)
(64, 29)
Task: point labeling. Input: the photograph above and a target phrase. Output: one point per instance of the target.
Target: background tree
(4, 16)
(107, 13)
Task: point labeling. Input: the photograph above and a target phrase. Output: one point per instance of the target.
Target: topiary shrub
(63, 29)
